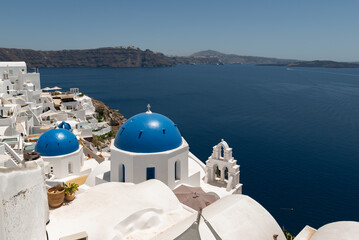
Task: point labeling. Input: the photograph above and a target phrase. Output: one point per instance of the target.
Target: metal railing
(13, 155)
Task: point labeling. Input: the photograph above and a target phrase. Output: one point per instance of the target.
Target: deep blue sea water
(294, 132)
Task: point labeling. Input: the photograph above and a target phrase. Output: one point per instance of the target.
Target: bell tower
(222, 168)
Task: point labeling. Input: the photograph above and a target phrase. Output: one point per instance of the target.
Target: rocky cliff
(113, 117)
(100, 57)
(123, 57)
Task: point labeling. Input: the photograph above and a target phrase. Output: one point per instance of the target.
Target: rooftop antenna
(148, 108)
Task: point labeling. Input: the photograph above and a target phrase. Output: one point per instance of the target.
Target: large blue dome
(57, 142)
(148, 133)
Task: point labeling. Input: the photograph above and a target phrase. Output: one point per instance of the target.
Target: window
(217, 172)
(70, 167)
(151, 174)
(122, 177)
(226, 173)
(177, 170)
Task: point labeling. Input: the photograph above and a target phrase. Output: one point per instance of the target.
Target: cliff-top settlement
(136, 178)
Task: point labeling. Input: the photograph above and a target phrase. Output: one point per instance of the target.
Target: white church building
(62, 150)
(63, 156)
(150, 146)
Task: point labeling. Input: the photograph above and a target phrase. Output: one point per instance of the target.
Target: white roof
(118, 211)
(345, 230)
(13, 98)
(306, 233)
(50, 114)
(12, 64)
(232, 217)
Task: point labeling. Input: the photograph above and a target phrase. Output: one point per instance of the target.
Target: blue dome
(64, 125)
(148, 133)
(57, 142)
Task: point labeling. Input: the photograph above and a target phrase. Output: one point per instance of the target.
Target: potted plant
(56, 196)
(70, 190)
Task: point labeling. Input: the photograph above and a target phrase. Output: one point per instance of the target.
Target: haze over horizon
(305, 30)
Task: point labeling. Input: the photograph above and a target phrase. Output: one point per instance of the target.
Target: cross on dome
(148, 108)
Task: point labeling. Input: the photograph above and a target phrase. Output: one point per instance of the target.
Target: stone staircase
(12, 157)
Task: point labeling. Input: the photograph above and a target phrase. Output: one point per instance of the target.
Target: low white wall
(22, 212)
(102, 131)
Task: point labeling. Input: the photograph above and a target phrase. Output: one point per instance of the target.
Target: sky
(292, 29)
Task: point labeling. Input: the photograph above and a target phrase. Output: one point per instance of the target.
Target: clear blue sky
(299, 29)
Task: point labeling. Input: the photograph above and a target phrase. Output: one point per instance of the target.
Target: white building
(150, 146)
(61, 149)
(26, 112)
(15, 81)
(20, 102)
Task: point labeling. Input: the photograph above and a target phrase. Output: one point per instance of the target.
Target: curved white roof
(119, 211)
(345, 230)
(232, 217)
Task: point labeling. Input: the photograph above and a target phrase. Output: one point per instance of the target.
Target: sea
(294, 131)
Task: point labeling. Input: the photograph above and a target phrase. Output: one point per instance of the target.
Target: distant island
(233, 58)
(318, 63)
(135, 57)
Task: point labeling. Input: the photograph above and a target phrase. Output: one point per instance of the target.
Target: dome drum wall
(64, 165)
(135, 165)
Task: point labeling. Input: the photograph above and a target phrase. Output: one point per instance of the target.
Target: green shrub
(70, 189)
(287, 234)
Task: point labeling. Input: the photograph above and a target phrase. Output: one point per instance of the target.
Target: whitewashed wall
(60, 164)
(22, 208)
(163, 162)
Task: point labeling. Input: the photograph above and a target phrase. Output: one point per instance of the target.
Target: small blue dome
(148, 133)
(64, 125)
(57, 142)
